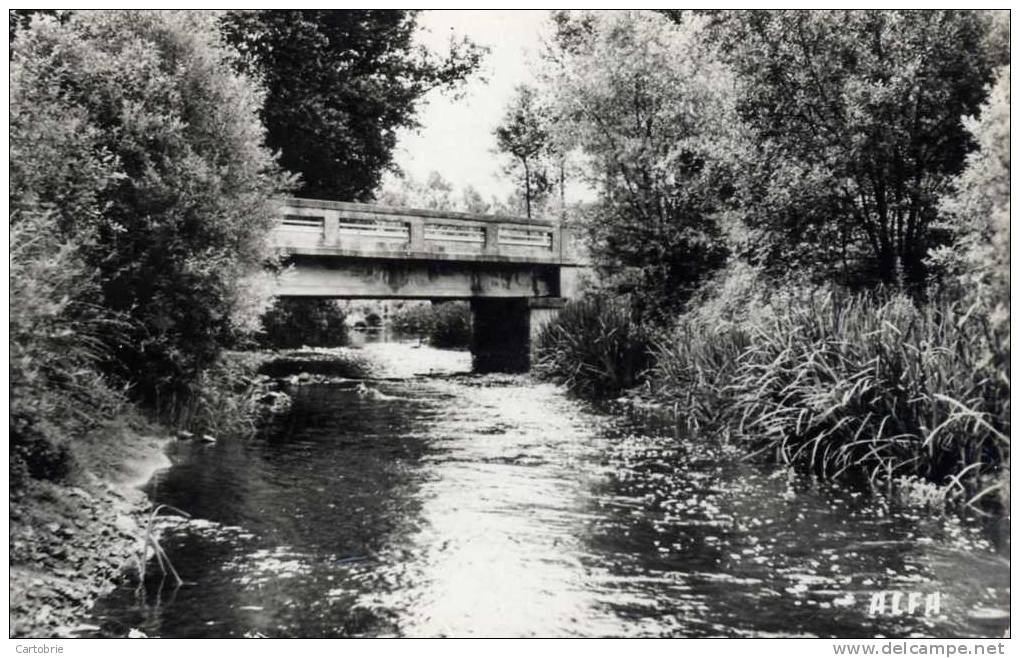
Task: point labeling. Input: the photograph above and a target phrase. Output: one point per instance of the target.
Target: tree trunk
(563, 196)
(527, 189)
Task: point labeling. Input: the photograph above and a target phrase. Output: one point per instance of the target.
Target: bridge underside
(379, 278)
(510, 301)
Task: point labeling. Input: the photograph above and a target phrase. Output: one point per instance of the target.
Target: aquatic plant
(860, 383)
(595, 347)
(150, 541)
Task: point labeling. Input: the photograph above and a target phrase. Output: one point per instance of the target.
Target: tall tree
(340, 84)
(855, 131)
(645, 105)
(523, 134)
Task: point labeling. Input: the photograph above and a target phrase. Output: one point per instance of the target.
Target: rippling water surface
(495, 506)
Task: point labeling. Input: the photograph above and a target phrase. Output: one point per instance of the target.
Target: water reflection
(493, 506)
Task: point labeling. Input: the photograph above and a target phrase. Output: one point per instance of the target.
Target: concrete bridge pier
(505, 330)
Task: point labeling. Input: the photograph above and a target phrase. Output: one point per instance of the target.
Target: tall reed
(594, 347)
(883, 387)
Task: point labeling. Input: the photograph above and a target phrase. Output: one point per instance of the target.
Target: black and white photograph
(431, 323)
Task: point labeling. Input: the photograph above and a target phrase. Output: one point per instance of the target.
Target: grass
(149, 541)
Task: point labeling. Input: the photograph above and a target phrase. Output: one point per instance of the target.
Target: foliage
(438, 193)
(446, 324)
(228, 398)
(648, 108)
(853, 384)
(56, 344)
(295, 322)
(435, 193)
(135, 132)
(853, 132)
(340, 84)
(977, 212)
(21, 19)
(524, 135)
(596, 347)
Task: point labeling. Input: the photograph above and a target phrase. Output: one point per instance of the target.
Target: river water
(431, 504)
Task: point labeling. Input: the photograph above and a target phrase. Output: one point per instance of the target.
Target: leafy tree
(20, 19)
(445, 324)
(437, 193)
(404, 191)
(471, 200)
(142, 144)
(340, 83)
(646, 107)
(523, 134)
(977, 210)
(854, 131)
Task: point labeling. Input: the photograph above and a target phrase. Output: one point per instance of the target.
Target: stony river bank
(72, 543)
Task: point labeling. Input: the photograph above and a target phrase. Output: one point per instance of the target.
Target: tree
(21, 19)
(471, 200)
(977, 210)
(523, 135)
(404, 191)
(340, 83)
(646, 106)
(854, 132)
(139, 145)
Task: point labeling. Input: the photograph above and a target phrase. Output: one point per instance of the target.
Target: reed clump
(595, 347)
(871, 384)
(842, 384)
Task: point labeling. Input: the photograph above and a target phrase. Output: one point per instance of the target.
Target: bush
(855, 384)
(595, 347)
(224, 400)
(451, 325)
(295, 322)
(445, 324)
(135, 129)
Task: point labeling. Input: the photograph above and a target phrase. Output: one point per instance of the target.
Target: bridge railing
(356, 229)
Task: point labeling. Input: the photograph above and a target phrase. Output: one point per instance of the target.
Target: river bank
(72, 543)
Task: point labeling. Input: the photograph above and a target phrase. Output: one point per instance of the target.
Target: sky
(456, 136)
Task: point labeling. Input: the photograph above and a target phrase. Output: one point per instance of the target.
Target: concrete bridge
(517, 273)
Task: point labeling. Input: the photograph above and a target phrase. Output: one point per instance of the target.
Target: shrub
(57, 343)
(445, 324)
(451, 325)
(595, 347)
(295, 322)
(413, 320)
(134, 128)
(224, 400)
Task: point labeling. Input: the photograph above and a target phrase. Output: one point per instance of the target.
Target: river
(437, 504)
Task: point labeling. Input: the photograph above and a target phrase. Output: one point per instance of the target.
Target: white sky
(456, 136)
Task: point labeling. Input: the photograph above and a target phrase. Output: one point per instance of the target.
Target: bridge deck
(314, 227)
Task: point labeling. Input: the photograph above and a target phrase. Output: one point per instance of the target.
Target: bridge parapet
(316, 227)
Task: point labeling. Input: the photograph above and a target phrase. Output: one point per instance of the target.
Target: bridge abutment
(505, 330)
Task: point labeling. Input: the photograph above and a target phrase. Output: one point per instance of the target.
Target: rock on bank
(72, 541)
